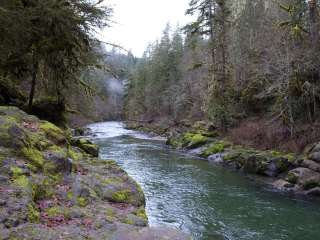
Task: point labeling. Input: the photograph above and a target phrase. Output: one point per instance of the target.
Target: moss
(291, 158)
(292, 178)
(53, 132)
(23, 182)
(121, 196)
(141, 213)
(69, 196)
(74, 155)
(128, 221)
(82, 202)
(34, 156)
(58, 211)
(38, 140)
(16, 172)
(217, 147)
(282, 164)
(42, 190)
(33, 214)
(31, 167)
(211, 134)
(53, 211)
(112, 180)
(191, 140)
(310, 184)
(110, 214)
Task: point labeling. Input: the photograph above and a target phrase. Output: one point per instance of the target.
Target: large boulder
(281, 184)
(311, 165)
(304, 177)
(86, 145)
(313, 152)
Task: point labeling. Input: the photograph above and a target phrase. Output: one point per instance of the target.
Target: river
(205, 200)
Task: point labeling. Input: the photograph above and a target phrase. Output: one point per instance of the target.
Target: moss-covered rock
(86, 145)
(33, 214)
(216, 147)
(34, 156)
(53, 132)
(57, 191)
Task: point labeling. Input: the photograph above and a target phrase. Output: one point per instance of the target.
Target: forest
(213, 133)
(248, 67)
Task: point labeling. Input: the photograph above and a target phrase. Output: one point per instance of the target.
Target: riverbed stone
(315, 156)
(311, 165)
(216, 158)
(154, 233)
(304, 177)
(282, 184)
(86, 145)
(313, 192)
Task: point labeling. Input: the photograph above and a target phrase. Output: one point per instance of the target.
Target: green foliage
(56, 44)
(217, 147)
(153, 82)
(121, 196)
(34, 156)
(33, 214)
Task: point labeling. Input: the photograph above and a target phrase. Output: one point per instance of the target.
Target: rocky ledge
(284, 171)
(54, 187)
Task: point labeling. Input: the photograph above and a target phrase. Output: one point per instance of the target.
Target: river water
(205, 200)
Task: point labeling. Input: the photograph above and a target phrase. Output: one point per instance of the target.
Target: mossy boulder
(86, 145)
(216, 147)
(258, 162)
(54, 190)
(53, 132)
(304, 177)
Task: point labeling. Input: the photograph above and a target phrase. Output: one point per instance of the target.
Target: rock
(315, 156)
(311, 165)
(86, 145)
(282, 184)
(58, 162)
(134, 220)
(3, 179)
(314, 192)
(216, 158)
(255, 164)
(197, 151)
(304, 177)
(154, 233)
(312, 148)
(4, 233)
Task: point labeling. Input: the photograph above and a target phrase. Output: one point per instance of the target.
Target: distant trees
(155, 78)
(49, 41)
(212, 21)
(239, 59)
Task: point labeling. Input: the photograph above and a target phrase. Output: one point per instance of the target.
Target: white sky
(139, 22)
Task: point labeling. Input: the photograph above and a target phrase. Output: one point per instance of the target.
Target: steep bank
(54, 187)
(297, 173)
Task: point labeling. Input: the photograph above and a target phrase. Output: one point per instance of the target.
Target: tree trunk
(33, 84)
(314, 22)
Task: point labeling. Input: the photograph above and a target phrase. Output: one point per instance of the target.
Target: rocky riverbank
(299, 174)
(54, 186)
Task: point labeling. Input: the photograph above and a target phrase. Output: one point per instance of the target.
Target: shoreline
(56, 187)
(296, 175)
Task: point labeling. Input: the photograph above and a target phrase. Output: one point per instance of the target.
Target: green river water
(205, 200)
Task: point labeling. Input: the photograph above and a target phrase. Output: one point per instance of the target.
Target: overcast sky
(139, 22)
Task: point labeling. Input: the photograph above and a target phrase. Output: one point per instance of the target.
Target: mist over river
(203, 199)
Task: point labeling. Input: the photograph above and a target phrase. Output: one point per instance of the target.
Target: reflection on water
(208, 201)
